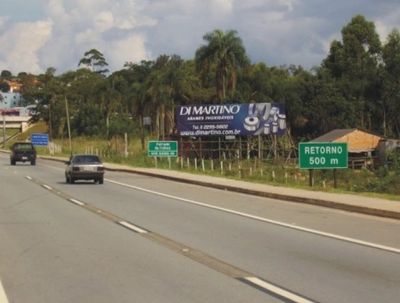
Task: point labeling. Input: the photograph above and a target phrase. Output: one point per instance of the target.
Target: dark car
(84, 167)
(23, 152)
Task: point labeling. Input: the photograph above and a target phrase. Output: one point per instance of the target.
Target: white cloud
(131, 48)
(104, 21)
(223, 6)
(275, 31)
(2, 22)
(109, 26)
(20, 46)
(385, 26)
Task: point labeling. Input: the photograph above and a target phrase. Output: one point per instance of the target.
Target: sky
(38, 34)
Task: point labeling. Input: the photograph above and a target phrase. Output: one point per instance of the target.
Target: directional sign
(323, 155)
(40, 139)
(162, 149)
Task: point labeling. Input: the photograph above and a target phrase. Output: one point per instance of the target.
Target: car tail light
(100, 168)
(75, 168)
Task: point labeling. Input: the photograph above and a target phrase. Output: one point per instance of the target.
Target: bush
(390, 184)
(394, 160)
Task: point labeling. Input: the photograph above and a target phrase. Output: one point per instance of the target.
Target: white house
(10, 100)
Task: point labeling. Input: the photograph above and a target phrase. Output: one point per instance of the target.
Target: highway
(142, 239)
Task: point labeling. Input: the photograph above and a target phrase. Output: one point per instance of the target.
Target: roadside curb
(311, 201)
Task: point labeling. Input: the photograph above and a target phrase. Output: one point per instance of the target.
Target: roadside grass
(11, 131)
(361, 182)
(39, 127)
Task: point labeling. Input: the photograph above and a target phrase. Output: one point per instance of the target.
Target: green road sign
(321, 155)
(162, 149)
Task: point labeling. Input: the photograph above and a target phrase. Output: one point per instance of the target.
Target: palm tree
(226, 53)
(164, 88)
(136, 97)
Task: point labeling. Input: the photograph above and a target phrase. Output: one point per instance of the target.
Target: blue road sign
(40, 139)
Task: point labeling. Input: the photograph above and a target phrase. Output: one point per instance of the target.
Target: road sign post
(323, 155)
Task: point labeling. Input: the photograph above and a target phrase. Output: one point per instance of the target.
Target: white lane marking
(132, 227)
(277, 290)
(309, 230)
(47, 187)
(3, 297)
(77, 202)
(29, 178)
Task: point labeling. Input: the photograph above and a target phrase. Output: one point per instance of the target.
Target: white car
(84, 167)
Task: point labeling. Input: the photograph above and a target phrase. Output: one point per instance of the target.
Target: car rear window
(23, 146)
(86, 159)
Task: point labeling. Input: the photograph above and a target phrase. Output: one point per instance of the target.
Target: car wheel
(71, 180)
(101, 180)
(33, 162)
(66, 179)
(12, 162)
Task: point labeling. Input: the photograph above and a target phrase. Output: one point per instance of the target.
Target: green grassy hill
(39, 127)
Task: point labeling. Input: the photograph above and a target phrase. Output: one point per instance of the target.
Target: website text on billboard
(248, 119)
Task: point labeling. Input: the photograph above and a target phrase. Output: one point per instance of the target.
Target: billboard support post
(240, 148)
(219, 148)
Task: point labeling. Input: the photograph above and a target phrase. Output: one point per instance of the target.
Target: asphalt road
(142, 239)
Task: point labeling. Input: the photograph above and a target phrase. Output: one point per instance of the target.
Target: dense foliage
(356, 86)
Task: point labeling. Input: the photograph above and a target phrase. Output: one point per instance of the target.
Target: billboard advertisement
(248, 119)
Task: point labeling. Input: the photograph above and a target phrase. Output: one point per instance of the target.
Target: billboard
(248, 119)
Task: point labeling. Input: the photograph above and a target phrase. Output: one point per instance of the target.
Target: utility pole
(68, 125)
(4, 130)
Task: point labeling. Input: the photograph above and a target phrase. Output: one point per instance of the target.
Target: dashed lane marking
(3, 297)
(132, 227)
(76, 201)
(275, 290)
(191, 253)
(47, 187)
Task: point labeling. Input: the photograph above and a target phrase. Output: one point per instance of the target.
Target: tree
(136, 98)
(354, 63)
(84, 92)
(226, 54)
(110, 97)
(50, 106)
(391, 84)
(4, 87)
(6, 74)
(95, 61)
